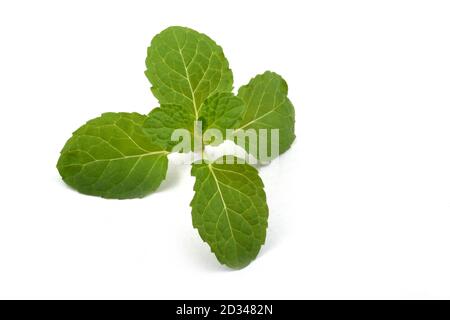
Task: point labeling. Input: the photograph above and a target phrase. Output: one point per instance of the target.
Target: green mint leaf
(268, 107)
(222, 111)
(186, 67)
(110, 156)
(124, 155)
(229, 210)
(162, 121)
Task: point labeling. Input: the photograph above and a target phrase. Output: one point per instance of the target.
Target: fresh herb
(124, 155)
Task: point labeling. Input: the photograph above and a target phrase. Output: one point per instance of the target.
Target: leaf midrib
(223, 200)
(115, 159)
(194, 104)
(263, 116)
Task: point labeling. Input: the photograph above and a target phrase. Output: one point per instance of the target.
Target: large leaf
(110, 156)
(229, 210)
(186, 67)
(267, 107)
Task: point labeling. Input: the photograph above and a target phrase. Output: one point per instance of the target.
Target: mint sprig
(124, 155)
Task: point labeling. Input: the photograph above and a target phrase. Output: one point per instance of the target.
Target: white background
(359, 206)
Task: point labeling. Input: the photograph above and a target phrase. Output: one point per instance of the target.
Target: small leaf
(229, 210)
(162, 121)
(186, 67)
(110, 156)
(222, 111)
(268, 107)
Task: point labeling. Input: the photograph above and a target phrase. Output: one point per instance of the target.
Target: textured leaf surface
(268, 107)
(186, 67)
(110, 156)
(162, 121)
(229, 210)
(222, 111)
